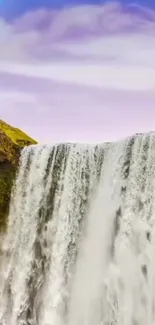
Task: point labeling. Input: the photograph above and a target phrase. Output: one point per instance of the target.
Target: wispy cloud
(80, 65)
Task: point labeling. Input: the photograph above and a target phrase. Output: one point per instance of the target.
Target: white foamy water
(80, 245)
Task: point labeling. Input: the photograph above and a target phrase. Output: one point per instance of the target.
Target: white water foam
(80, 246)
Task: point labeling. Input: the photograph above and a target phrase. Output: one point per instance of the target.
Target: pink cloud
(79, 74)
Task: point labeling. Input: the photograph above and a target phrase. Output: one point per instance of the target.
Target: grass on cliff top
(16, 135)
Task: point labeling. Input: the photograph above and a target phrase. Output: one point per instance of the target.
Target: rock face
(12, 140)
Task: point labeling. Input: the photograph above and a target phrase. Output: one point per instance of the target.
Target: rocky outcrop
(12, 140)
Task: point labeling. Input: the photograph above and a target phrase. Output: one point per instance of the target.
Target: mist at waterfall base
(80, 246)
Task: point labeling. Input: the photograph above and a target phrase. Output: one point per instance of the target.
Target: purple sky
(83, 74)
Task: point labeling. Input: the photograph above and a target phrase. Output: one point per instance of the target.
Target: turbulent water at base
(80, 246)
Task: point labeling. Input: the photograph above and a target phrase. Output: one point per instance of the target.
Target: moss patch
(17, 136)
(12, 140)
(7, 176)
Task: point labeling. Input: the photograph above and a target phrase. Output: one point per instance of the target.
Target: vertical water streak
(95, 254)
(79, 180)
(22, 230)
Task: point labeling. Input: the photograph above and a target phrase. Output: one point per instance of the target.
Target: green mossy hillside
(12, 140)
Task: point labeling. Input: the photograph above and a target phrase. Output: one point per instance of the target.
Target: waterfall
(80, 244)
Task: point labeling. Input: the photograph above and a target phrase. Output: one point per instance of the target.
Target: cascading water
(80, 246)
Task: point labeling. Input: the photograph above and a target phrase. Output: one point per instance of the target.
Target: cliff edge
(12, 140)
